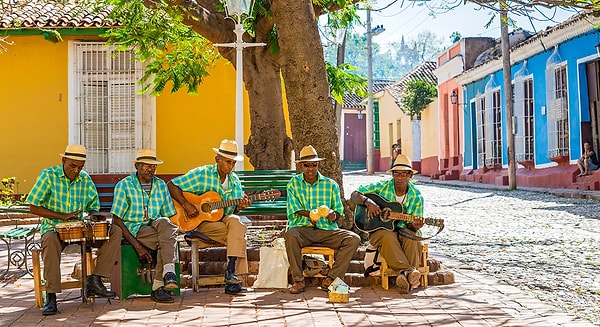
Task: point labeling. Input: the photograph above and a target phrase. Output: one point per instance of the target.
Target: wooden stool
(39, 285)
(203, 280)
(324, 251)
(387, 272)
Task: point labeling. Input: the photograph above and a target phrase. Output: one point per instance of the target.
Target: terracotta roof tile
(35, 14)
(423, 71)
(354, 101)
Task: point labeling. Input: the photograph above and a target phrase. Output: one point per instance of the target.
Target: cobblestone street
(547, 246)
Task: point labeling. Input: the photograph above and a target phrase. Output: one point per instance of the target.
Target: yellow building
(419, 138)
(75, 91)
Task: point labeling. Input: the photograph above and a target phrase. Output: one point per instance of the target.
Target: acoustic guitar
(390, 213)
(210, 205)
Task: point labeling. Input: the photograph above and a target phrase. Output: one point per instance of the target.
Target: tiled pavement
(474, 300)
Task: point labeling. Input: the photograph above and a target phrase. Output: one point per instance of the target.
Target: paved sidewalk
(474, 300)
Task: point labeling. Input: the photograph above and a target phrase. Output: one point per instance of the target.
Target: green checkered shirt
(53, 191)
(206, 178)
(305, 196)
(413, 203)
(130, 200)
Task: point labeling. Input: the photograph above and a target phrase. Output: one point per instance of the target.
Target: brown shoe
(413, 277)
(325, 284)
(298, 287)
(402, 284)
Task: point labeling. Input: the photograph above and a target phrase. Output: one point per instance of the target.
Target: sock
(231, 265)
(157, 284)
(168, 267)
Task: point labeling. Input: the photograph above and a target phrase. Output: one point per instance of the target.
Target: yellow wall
(390, 113)
(430, 131)
(34, 108)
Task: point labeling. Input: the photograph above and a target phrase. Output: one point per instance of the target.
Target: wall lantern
(454, 97)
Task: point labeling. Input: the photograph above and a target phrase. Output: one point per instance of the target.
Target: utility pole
(508, 98)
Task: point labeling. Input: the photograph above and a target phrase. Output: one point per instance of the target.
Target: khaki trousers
(232, 232)
(400, 253)
(160, 235)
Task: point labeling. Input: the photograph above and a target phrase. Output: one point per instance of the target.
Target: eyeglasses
(402, 173)
(308, 165)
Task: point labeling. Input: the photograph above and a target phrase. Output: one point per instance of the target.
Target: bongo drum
(96, 231)
(70, 231)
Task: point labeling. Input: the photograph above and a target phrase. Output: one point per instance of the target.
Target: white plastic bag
(273, 268)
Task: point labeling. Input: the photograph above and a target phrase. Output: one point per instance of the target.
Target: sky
(409, 19)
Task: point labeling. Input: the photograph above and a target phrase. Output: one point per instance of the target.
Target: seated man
(61, 194)
(588, 160)
(141, 207)
(306, 192)
(229, 229)
(402, 253)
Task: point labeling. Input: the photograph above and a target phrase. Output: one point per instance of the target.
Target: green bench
(256, 181)
(18, 258)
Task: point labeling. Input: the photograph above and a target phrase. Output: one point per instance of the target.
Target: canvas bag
(273, 268)
(372, 261)
(313, 265)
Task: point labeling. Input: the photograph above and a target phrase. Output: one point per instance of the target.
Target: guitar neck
(401, 216)
(232, 202)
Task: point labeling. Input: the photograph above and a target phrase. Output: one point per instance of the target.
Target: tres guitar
(390, 213)
(211, 207)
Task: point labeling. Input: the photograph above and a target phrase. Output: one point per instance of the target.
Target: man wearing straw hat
(402, 253)
(306, 194)
(63, 193)
(142, 206)
(229, 230)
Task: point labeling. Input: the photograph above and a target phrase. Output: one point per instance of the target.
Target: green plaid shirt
(131, 203)
(413, 203)
(206, 178)
(53, 191)
(305, 196)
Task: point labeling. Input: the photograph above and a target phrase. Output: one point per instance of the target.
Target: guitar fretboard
(233, 202)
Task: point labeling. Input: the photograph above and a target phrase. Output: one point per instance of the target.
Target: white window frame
(115, 160)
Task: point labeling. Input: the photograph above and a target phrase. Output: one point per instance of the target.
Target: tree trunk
(312, 111)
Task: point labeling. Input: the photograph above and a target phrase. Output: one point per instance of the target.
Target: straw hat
(229, 149)
(75, 152)
(308, 153)
(147, 156)
(402, 163)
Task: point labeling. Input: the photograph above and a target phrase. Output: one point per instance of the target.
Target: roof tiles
(33, 14)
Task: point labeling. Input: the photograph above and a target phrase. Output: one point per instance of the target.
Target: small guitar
(390, 213)
(210, 205)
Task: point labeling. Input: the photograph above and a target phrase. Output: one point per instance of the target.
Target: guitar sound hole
(205, 207)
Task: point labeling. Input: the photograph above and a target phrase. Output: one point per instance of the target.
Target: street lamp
(454, 97)
(234, 10)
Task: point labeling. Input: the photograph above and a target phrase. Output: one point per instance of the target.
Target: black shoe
(234, 288)
(50, 307)
(231, 278)
(161, 295)
(95, 287)
(170, 281)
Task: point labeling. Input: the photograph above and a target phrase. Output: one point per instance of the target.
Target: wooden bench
(18, 258)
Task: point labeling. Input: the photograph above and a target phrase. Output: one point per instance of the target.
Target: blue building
(555, 76)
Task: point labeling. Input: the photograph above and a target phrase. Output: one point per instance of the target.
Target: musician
(228, 230)
(60, 194)
(306, 192)
(402, 253)
(141, 207)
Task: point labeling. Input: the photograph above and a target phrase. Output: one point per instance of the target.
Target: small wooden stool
(203, 280)
(39, 285)
(324, 251)
(387, 272)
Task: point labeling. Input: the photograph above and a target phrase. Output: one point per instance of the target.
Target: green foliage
(9, 193)
(171, 50)
(455, 37)
(416, 96)
(344, 80)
